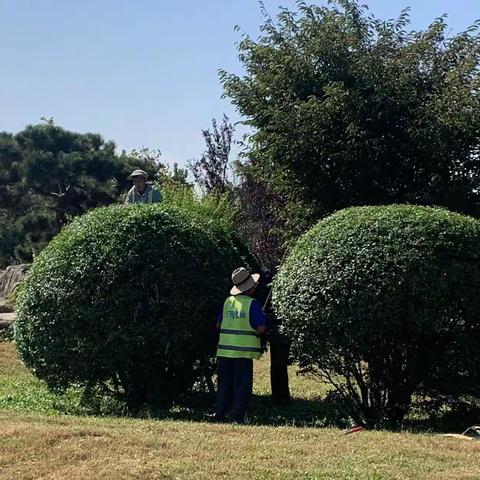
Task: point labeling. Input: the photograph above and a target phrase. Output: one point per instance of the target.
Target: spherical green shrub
(125, 298)
(383, 303)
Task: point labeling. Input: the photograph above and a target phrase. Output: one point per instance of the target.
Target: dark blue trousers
(235, 382)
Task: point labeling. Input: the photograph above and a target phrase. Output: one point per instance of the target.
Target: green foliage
(177, 177)
(49, 175)
(382, 302)
(124, 299)
(7, 239)
(6, 332)
(213, 207)
(347, 109)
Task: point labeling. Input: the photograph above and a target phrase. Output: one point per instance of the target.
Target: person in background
(279, 344)
(240, 324)
(142, 191)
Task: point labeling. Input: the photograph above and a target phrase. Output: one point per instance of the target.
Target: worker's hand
(262, 329)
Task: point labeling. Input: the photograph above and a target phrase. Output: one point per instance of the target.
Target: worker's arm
(258, 319)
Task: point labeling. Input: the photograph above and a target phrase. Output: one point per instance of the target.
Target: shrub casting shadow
(330, 411)
(316, 413)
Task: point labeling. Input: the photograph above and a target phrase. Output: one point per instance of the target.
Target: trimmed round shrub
(124, 299)
(384, 303)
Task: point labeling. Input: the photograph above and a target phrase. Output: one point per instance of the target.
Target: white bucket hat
(243, 281)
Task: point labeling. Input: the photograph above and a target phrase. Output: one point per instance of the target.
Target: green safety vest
(237, 338)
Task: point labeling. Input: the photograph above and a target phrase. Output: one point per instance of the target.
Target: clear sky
(142, 72)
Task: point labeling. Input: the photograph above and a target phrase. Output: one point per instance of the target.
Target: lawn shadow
(315, 413)
(453, 416)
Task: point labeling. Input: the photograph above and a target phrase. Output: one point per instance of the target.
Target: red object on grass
(354, 429)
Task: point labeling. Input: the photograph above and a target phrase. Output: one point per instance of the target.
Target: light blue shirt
(150, 193)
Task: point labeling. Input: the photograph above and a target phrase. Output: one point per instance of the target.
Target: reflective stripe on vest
(237, 338)
(150, 195)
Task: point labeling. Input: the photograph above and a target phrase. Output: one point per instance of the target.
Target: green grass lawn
(43, 436)
(20, 391)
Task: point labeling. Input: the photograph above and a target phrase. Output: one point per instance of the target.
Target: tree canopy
(49, 175)
(347, 109)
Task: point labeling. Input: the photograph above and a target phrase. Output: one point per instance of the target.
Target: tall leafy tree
(347, 109)
(210, 170)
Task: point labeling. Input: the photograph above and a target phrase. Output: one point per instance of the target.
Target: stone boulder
(9, 279)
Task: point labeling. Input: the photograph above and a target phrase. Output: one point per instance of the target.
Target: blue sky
(144, 72)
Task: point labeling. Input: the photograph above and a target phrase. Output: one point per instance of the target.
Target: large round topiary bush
(383, 303)
(124, 298)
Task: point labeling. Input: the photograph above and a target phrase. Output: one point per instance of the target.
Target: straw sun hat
(243, 281)
(138, 173)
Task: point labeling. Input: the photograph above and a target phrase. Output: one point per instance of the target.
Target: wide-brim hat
(138, 173)
(243, 281)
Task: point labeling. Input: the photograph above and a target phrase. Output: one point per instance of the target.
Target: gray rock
(7, 318)
(9, 279)
(5, 307)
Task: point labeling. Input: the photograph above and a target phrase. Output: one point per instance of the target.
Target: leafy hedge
(124, 298)
(383, 303)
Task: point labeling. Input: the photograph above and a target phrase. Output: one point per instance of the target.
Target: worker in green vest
(142, 191)
(240, 324)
